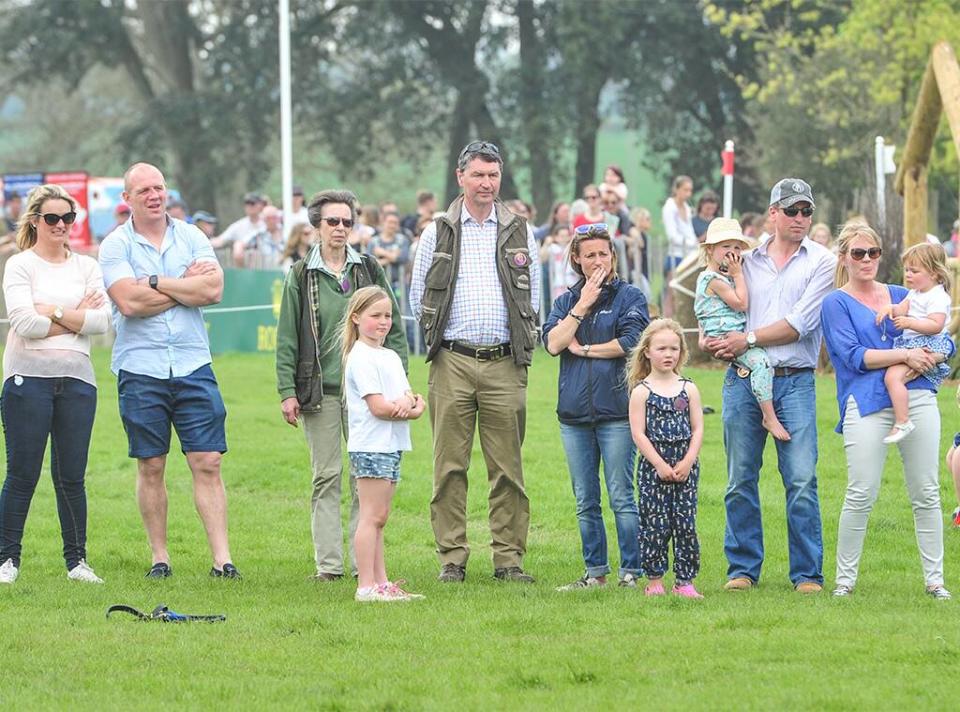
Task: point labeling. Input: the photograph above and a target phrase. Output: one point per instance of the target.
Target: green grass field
(293, 644)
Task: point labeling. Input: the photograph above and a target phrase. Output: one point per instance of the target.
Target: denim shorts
(192, 404)
(379, 465)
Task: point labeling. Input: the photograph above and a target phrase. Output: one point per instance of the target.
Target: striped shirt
(794, 293)
(478, 313)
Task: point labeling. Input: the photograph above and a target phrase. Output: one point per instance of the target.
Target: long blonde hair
(638, 366)
(359, 303)
(848, 233)
(932, 258)
(26, 230)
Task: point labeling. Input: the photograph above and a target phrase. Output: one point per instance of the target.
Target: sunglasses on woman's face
(334, 222)
(858, 253)
(52, 219)
(792, 212)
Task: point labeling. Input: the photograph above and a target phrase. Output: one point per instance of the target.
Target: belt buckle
(743, 372)
(488, 354)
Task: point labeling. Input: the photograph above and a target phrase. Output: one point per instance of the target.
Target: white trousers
(866, 454)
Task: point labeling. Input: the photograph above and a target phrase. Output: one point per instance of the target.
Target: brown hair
(300, 234)
(932, 258)
(592, 234)
(327, 197)
(26, 230)
(638, 365)
(848, 233)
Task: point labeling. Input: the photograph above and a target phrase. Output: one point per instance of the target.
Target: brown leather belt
(789, 370)
(484, 353)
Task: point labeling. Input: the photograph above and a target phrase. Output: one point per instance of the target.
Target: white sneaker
(8, 572)
(393, 590)
(83, 572)
(842, 590)
(901, 430)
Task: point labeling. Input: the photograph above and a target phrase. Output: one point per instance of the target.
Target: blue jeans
(585, 446)
(35, 410)
(794, 400)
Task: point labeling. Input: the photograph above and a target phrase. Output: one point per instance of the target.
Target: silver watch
(751, 339)
(586, 349)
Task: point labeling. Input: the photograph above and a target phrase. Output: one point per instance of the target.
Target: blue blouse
(850, 329)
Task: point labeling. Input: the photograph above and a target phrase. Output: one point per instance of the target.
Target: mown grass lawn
(293, 644)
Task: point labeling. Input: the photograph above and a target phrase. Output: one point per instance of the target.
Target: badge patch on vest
(520, 259)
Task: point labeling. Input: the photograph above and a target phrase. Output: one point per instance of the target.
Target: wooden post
(947, 72)
(914, 205)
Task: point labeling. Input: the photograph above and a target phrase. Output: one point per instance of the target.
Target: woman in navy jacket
(592, 327)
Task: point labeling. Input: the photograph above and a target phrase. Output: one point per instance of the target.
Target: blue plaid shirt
(478, 313)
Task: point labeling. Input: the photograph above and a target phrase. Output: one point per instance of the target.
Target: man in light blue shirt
(787, 278)
(159, 271)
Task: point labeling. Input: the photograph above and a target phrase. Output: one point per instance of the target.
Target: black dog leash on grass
(165, 615)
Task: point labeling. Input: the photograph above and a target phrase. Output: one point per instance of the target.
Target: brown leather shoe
(512, 573)
(452, 573)
(808, 587)
(738, 583)
(324, 577)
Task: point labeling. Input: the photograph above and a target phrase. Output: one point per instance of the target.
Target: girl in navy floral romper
(666, 420)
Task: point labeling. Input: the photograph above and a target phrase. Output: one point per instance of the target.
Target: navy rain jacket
(592, 390)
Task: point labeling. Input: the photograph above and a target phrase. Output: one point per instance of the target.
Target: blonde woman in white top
(55, 300)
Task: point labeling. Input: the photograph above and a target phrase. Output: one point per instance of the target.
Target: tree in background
(836, 76)
(201, 106)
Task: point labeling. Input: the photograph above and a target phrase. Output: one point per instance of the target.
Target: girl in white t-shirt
(923, 316)
(379, 404)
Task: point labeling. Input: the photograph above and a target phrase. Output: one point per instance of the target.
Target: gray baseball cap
(789, 191)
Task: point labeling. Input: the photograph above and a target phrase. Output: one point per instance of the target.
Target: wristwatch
(154, 279)
(586, 349)
(57, 315)
(751, 339)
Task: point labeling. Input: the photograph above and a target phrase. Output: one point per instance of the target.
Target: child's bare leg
(771, 422)
(895, 379)
(953, 464)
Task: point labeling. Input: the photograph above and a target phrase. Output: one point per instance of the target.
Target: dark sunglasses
(52, 219)
(858, 253)
(333, 222)
(484, 147)
(792, 212)
(592, 229)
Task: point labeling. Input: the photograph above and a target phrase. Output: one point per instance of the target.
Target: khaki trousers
(324, 430)
(465, 393)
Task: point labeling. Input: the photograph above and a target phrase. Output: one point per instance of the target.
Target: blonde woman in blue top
(861, 351)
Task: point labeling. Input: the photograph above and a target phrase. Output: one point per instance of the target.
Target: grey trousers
(866, 454)
(325, 431)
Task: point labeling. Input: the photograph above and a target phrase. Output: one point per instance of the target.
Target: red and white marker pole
(727, 179)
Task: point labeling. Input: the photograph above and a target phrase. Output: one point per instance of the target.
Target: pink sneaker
(654, 589)
(687, 590)
(392, 590)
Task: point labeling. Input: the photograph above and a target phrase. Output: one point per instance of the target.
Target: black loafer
(159, 571)
(229, 571)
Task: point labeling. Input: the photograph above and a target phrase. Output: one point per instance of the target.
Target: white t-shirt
(243, 231)
(934, 301)
(370, 371)
(681, 238)
(562, 274)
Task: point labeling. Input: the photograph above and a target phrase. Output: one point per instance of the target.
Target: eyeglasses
(484, 147)
(858, 253)
(334, 222)
(792, 212)
(593, 229)
(52, 219)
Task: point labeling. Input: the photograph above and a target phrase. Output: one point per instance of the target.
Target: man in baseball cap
(787, 278)
(790, 191)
